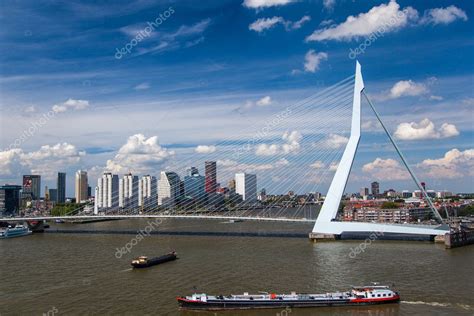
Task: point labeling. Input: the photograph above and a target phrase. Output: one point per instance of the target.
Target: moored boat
(145, 262)
(17, 231)
(359, 295)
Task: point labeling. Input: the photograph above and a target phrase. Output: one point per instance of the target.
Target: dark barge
(145, 262)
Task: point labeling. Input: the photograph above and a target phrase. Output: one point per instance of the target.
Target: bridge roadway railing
(76, 217)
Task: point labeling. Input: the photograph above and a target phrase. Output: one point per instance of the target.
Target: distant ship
(145, 262)
(359, 295)
(17, 231)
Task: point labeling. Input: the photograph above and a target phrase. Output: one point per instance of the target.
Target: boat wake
(465, 307)
(438, 304)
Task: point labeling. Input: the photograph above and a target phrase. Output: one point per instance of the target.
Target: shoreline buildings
(81, 186)
(194, 184)
(61, 187)
(128, 191)
(10, 199)
(211, 176)
(148, 191)
(169, 188)
(31, 187)
(246, 186)
(107, 192)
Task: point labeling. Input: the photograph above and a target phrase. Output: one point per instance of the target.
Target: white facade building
(96, 205)
(107, 191)
(128, 191)
(246, 186)
(147, 191)
(168, 188)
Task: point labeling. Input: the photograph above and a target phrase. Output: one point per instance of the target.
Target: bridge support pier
(317, 237)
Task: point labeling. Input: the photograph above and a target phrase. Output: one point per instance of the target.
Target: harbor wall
(459, 239)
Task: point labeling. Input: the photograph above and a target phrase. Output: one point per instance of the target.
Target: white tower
(326, 226)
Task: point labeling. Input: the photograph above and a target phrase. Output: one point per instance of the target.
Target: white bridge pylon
(325, 223)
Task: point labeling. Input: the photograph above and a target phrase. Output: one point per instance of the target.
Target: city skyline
(236, 157)
(97, 121)
(143, 186)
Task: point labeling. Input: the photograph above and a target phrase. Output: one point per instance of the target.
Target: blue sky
(213, 70)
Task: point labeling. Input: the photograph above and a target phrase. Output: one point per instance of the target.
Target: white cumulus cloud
(291, 145)
(292, 142)
(205, 149)
(140, 155)
(385, 169)
(267, 150)
(47, 160)
(387, 17)
(313, 60)
(335, 141)
(263, 24)
(443, 15)
(425, 129)
(318, 164)
(70, 104)
(453, 164)
(264, 101)
(260, 4)
(298, 24)
(406, 88)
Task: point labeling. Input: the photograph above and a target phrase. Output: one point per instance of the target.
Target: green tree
(389, 205)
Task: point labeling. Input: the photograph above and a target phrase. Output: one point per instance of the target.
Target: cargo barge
(359, 295)
(145, 262)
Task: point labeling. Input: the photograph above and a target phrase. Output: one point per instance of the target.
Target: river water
(85, 274)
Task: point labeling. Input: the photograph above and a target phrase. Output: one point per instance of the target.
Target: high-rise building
(128, 191)
(169, 188)
(231, 185)
(96, 200)
(9, 199)
(147, 191)
(406, 194)
(364, 191)
(194, 184)
(211, 176)
(32, 186)
(192, 171)
(246, 186)
(61, 187)
(107, 189)
(53, 195)
(375, 188)
(81, 186)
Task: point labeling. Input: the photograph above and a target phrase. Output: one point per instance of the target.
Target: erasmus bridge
(337, 106)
